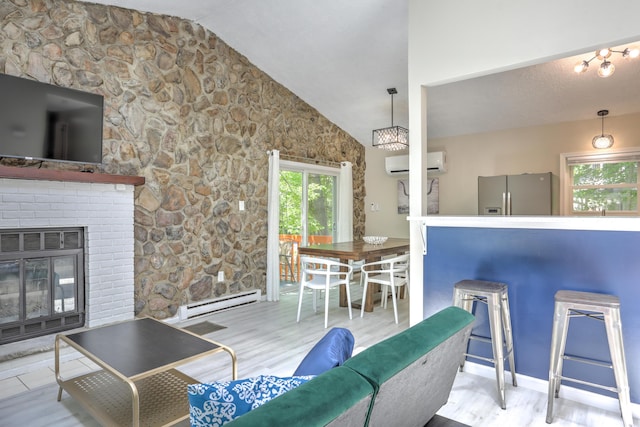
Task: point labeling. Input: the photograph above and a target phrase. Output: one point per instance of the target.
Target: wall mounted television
(41, 121)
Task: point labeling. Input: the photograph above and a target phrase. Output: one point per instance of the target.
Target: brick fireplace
(105, 212)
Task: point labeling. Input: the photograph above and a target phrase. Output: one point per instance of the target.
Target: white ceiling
(535, 95)
(340, 57)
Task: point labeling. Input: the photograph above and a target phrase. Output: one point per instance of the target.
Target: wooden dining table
(356, 250)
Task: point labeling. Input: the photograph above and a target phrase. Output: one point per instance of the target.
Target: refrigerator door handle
(509, 203)
(504, 203)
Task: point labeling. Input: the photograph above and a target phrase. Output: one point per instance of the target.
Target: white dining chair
(322, 274)
(390, 272)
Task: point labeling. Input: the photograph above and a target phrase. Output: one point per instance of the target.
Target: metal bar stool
(599, 307)
(495, 296)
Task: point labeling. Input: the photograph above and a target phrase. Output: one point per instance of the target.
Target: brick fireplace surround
(105, 210)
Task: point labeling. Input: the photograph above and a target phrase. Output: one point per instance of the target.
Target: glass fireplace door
(41, 282)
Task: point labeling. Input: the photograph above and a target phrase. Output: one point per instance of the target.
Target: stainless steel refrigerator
(526, 194)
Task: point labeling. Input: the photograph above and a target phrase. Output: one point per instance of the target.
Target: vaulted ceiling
(341, 56)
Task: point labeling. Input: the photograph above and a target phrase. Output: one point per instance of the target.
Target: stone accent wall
(191, 115)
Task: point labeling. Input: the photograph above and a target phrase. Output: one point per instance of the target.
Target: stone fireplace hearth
(105, 211)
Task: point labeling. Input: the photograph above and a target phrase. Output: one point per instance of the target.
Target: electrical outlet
(241, 205)
(220, 276)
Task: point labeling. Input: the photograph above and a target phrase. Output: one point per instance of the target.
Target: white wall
(458, 39)
(382, 190)
(516, 151)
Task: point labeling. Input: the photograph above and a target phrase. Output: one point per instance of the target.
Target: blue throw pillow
(215, 404)
(331, 351)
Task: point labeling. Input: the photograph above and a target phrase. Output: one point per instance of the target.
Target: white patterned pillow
(215, 404)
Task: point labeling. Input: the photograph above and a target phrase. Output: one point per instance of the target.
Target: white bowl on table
(375, 240)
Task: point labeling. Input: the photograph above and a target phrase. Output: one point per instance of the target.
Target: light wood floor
(268, 340)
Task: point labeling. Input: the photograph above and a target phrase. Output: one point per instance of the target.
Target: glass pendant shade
(603, 53)
(606, 69)
(631, 53)
(602, 141)
(392, 138)
(581, 67)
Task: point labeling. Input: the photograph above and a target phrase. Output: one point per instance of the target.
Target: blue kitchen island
(535, 257)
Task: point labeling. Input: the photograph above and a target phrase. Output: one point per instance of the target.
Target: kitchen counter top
(533, 222)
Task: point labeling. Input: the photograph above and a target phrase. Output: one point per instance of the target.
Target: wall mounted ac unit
(436, 161)
(397, 165)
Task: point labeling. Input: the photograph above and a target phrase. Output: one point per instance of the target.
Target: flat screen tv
(41, 121)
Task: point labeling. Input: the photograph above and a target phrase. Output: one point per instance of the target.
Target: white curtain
(345, 203)
(273, 234)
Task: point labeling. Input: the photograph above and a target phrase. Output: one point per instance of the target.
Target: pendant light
(392, 138)
(602, 140)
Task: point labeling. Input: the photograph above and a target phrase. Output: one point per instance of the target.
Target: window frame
(566, 183)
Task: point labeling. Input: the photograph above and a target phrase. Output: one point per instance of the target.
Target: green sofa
(402, 380)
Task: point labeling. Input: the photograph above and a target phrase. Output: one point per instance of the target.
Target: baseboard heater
(202, 308)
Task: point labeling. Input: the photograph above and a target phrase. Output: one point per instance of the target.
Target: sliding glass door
(308, 208)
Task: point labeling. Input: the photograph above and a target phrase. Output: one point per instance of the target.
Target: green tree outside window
(320, 203)
(605, 187)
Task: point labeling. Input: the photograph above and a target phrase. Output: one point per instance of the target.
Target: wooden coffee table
(137, 383)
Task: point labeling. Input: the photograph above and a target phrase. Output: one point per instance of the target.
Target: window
(602, 184)
(308, 202)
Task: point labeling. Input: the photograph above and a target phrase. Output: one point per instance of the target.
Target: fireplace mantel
(69, 176)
